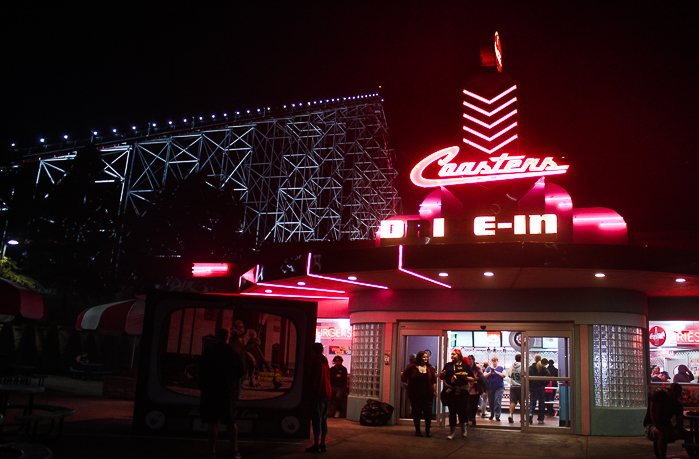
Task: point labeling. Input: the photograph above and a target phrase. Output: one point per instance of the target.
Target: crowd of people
(469, 388)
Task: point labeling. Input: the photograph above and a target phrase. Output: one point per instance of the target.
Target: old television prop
(277, 336)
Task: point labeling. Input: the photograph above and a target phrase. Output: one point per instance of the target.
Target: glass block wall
(619, 371)
(367, 345)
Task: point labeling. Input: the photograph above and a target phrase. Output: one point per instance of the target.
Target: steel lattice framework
(311, 175)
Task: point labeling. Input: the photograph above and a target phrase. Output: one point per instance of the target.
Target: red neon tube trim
(495, 123)
(494, 99)
(347, 281)
(313, 297)
(314, 289)
(490, 139)
(400, 268)
(210, 269)
(502, 107)
(490, 151)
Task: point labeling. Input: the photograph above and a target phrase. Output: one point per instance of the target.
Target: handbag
(447, 396)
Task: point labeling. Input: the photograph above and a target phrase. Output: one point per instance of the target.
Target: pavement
(101, 428)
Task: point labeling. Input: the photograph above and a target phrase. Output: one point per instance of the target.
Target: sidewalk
(101, 428)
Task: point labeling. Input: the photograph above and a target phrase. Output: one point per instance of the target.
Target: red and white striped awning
(16, 300)
(114, 318)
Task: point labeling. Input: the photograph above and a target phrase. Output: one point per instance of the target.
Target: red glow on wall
(210, 269)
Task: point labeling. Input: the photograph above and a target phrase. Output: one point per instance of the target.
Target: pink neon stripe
(347, 281)
(483, 99)
(298, 296)
(490, 126)
(492, 150)
(490, 139)
(480, 110)
(301, 288)
(400, 268)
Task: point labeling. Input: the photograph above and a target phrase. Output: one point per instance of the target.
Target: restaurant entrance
(499, 344)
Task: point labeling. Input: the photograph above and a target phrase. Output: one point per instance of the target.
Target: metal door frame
(570, 379)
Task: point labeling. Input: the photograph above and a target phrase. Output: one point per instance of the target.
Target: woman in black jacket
(457, 375)
(421, 378)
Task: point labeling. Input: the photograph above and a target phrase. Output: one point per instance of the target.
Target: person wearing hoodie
(515, 375)
(683, 375)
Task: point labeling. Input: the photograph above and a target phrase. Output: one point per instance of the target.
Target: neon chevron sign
(503, 167)
(484, 129)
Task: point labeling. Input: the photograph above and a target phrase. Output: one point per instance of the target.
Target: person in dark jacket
(220, 371)
(421, 378)
(476, 389)
(338, 383)
(551, 388)
(664, 419)
(319, 378)
(683, 375)
(457, 375)
(536, 390)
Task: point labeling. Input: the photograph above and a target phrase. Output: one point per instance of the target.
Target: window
(619, 375)
(367, 346)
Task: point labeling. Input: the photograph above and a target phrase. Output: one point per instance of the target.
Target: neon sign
(332, 332)
(521, 225)
(688, 338)
(503, 167)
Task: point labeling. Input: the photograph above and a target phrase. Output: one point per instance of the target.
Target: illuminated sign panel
(688, 338)
(542, 228)
(657, 336)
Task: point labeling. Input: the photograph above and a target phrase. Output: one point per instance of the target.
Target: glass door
(547, 381)
(412, 342)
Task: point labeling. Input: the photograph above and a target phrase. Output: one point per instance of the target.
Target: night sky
(609, 89)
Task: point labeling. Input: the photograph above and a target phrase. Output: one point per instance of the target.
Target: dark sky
(611, 88)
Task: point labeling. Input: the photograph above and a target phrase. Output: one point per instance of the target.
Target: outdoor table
(8, 389)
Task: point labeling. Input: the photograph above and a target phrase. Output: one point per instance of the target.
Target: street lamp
(4, 246)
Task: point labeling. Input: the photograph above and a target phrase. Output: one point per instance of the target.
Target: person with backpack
(515, 375)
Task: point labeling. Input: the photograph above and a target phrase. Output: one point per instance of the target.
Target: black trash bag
(375, 413)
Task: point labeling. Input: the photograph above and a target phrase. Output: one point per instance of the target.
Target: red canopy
(114, 318)
(18, 300)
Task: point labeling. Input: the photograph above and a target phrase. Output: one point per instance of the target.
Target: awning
(16, 300)
(114, 318)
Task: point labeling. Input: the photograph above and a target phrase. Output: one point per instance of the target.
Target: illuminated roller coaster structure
(312, 173)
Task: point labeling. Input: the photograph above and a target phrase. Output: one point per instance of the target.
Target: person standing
(475, 390)
(338, 383)
(484, 395)
(496, 387)
(457, 375)
(421, 378)
(319, 379)
(551, 388)
(536, 390)
(220, 372)
(664, 419)
(515, 375)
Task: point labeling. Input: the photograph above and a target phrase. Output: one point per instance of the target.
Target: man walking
(220, 371)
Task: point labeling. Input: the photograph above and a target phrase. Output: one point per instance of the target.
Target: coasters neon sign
(503, 167)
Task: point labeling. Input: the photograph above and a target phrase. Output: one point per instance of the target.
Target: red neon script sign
(503, 167)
